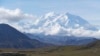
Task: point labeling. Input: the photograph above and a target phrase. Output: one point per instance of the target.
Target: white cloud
(81, 32)
(11, 15)
(14, 15)
(16, 18)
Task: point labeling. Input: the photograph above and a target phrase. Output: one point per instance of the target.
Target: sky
(88, 9)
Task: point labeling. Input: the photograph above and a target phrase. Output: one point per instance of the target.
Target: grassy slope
(90, 50)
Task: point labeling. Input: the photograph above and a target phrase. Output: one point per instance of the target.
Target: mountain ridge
(62, 28)
(11, 38)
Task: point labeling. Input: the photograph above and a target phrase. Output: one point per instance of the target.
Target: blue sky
(88, 9)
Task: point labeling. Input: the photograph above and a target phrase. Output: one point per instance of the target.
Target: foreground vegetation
(90, 50)
(56, 51)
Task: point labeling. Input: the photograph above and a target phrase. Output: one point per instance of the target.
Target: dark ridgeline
(11, 38)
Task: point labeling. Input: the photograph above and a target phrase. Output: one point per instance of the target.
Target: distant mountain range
(63, 40)
(62, 29)
(50, 30)
(11, 38)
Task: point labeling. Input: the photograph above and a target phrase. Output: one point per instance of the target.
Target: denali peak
(54, 24)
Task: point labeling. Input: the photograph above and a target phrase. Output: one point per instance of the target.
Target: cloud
(81, 32)
(10, 15)
(16, 18)
(13, 15)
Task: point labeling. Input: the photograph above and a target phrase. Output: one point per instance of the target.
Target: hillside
(11, 38)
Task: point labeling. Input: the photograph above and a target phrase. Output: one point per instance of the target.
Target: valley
(92, 49)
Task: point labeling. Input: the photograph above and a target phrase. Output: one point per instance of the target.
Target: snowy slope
(55, 24)
(66, 20)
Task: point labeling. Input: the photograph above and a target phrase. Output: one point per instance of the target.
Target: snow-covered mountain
(55, 24)
(62, 29)
(66, 20)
